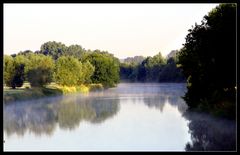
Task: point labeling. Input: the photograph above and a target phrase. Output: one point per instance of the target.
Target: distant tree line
(55, 62)
(151, 69)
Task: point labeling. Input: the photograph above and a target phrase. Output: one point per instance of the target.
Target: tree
(129, 67)
(171, 73)
(74, 50)
(19, 63)
(54, 49)
(88, 70)
(26, 52)
(106, 68)
(68, 71)
(126, 70)
(153, 67)
(39, 69)
(208, 60)
(8, 70)
(14, 70)
(134, 60)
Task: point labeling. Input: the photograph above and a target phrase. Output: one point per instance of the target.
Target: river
(130, 117)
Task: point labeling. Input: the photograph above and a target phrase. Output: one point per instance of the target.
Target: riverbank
(26, 92)
(222, 109)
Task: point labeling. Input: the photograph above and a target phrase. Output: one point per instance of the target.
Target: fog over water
(132, 116)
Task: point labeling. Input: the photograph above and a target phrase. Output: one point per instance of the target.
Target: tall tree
(208, 59)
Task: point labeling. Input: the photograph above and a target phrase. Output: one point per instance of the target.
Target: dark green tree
(106, 68)
(14, 70)
(54, 49)
(20, 63)
(208, 60)
(171, 73)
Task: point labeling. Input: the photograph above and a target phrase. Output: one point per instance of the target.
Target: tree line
(67, 66)
(207, 62)
(152, 69)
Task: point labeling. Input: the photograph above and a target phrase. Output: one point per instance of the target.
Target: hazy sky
(122, 29)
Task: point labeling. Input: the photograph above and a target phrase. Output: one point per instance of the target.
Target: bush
(95, 87)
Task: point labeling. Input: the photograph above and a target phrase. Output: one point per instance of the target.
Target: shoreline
(21, 94)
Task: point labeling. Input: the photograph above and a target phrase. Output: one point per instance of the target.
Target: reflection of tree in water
(174, 99)
(177, 101)
(70, 114)
(210, 134)
(37, 118)
(104, 108)
(41, 116)
(71, 111)
(157, 102)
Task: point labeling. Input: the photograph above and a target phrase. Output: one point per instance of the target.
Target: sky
(124, 30)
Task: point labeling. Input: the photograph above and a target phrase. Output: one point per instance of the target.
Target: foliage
(68, 71)
(73, 66)
(170, 72)
(19, 62)
(14, 70)
(95, 87)
(208, 58)
(106, 68)
(53, 48)
(74, 50)
(26, 52)
(11, 95)
(39, 69)
(134, 60)
(87, 71)
(152, 69)
(153, 66)
(8, 70)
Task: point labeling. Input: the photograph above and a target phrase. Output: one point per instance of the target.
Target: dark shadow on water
(209, 133)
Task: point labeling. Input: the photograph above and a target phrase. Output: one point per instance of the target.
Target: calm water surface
(132, 116)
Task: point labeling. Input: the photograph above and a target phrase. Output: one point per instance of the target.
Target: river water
(130, 117)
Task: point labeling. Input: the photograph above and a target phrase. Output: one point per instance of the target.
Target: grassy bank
(26, 92)
(76, 89)
(10, 95)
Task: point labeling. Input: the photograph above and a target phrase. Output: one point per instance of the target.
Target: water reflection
(41, 116)
(152, 117)
(209, 133)
(158, 102)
